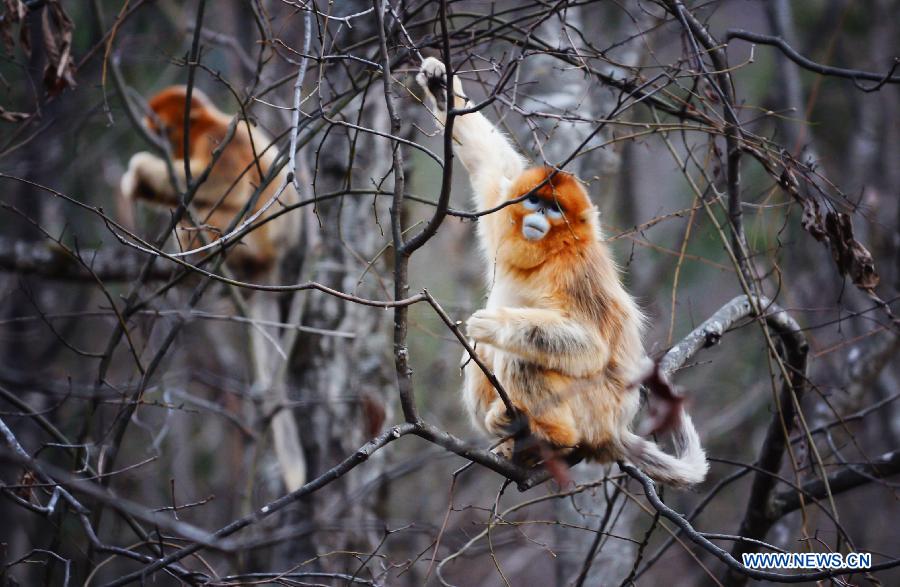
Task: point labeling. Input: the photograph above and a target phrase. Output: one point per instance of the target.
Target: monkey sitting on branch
(559, 331)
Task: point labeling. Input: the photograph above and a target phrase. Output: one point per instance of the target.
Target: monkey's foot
(558, 432)
(523, 452)
(505, 449)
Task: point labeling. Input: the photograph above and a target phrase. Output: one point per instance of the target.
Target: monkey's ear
(591, 215)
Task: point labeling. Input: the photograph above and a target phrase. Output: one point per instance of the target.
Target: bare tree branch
(730, 561)
(793, 55)
(51, 262)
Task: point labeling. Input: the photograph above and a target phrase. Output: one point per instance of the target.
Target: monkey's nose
(535, 227)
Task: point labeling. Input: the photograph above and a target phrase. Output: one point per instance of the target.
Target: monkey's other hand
(483, 326)
(128, 185)
(136, 183)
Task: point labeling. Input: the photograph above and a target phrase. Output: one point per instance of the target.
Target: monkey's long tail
(689, 467)
(286, 439)
(269, 380)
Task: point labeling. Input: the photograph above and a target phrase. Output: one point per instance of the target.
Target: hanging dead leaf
(834, 229)
(11, 20)
(59, 72)
(851, 257)
(811, 220)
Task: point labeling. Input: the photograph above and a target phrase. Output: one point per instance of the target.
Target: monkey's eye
(532, 203)
(554, 210)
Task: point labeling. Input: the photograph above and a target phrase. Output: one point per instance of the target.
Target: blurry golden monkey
(244, 164)
(559, 331)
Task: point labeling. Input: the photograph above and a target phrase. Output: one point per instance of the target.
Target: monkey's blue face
(538, 221)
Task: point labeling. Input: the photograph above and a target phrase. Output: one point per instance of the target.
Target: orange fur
(242, 166)
(564, 334)
(559, 330)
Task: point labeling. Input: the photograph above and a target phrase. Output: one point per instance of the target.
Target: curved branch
(733, 564)
(786, 502)
(794, 349)
(793, 55)
(710, 332)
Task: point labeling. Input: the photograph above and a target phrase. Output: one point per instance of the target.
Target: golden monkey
(244, 164)
(559, 330)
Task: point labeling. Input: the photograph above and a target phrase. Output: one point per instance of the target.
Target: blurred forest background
(136, 443)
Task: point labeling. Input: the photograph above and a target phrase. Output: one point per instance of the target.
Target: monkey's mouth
(535, 227)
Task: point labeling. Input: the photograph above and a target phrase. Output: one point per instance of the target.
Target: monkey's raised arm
(545, 337)
(492, 162)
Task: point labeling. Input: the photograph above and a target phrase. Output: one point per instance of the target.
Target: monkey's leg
(545, 337)
(556, 425)
(549, 420)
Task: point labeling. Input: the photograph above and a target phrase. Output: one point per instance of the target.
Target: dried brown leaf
(851, 257)
(811, 220)
(835, 230)
(59, 72)
(11, 20)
